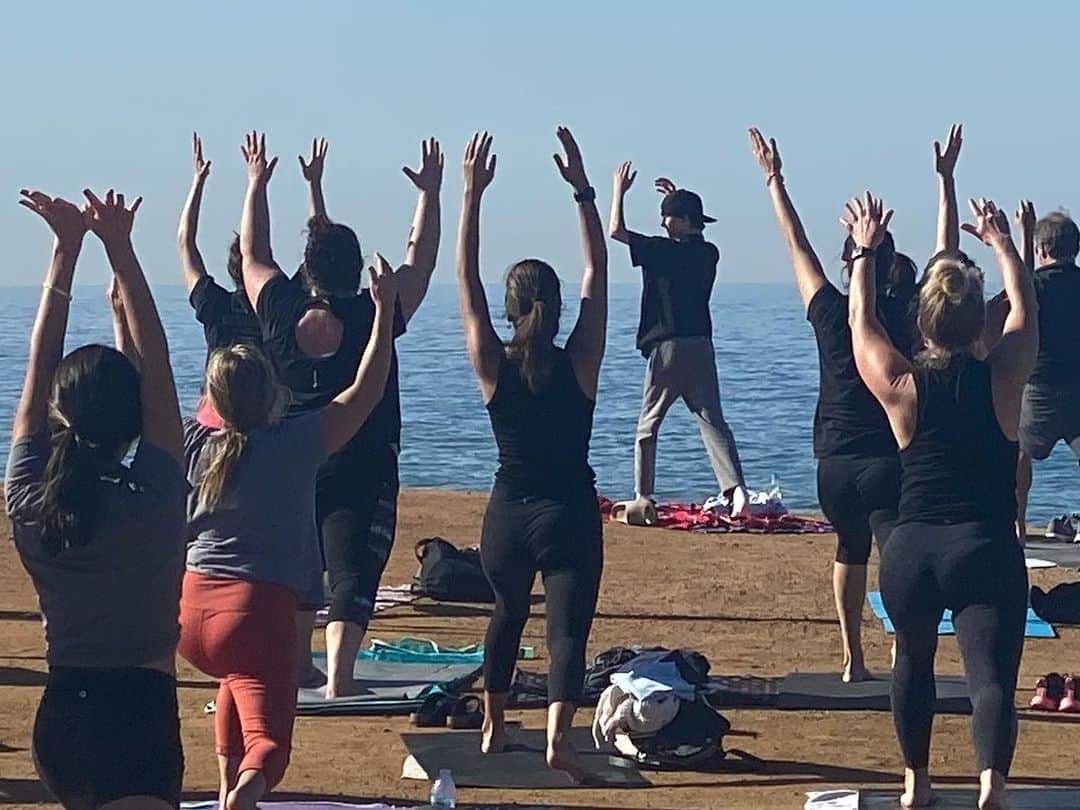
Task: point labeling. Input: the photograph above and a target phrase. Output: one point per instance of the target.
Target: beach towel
(1036, 626)
(695, 517)
(388, 596)
(1020, 798)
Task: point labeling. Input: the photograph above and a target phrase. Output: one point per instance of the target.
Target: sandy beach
(754, 605)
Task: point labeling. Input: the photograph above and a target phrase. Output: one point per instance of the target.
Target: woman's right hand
(766, 154)
(201, 166)
(1025, 216)
(991, 226)
(479, 171)
(313, 169)
(384, 283)
(866, 220)
(254, 152)
(110, 219)
(64, 218)
(624, 178)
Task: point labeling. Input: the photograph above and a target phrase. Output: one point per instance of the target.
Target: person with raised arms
(543, 515)
(314, 334)
(103, 541)
(955, 419)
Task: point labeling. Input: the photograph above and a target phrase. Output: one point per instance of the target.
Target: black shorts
(105, 734)
(1049, 415)
(859, 497)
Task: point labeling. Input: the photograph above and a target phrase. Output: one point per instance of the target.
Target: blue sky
(107, 94)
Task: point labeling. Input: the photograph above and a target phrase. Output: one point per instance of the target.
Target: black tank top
(543, 438)
(959, 466)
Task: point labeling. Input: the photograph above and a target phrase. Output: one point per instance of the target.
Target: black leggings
(356, 512)
(859, 497)
(106, 734)
(978, 572)
(563, 540)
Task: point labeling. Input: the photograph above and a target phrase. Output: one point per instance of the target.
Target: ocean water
(765, 355)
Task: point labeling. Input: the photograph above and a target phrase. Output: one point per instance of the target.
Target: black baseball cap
(684, 203)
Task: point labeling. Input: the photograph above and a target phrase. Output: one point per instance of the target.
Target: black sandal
(433, 712)
(467, 713)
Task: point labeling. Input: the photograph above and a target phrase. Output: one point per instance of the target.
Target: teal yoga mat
(1035, 627)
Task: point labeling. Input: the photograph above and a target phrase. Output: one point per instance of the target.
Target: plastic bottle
(443, 792)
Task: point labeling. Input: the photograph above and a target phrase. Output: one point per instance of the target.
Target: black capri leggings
(107, 734)
(356, 512)
(563, 540)
(859, 497)
(978, 572)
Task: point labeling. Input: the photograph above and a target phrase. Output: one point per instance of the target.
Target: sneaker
(1062, 528)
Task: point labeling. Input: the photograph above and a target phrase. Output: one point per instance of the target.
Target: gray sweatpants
(684, 368)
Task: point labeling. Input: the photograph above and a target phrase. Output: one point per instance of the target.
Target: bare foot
(346, 689)
(917, 792)
(493, 740)
(250, 787)
(561, 756)
(856, 673)
(992, 794)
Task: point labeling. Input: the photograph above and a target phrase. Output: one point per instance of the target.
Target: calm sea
(764, 350)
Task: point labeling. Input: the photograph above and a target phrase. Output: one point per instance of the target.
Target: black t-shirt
(1057, 287)
(677, 281)
(314, 382)
(226, 317)
(849, 421)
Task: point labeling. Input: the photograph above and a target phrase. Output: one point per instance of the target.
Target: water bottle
(443, 792)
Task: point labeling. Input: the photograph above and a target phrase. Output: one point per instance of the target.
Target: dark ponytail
(96, 412)
(533, 305)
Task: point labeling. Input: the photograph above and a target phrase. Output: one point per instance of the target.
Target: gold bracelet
(57, 290)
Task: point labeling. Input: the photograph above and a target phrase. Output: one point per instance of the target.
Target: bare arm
(1025, 220)
(586, 342)
(121, 331)
(624, 178)
(191, 261)
(422, 250)
(50, 324)
(809, 276)
(313, 174)
(886, 372)
(948, 223)
(112, 222)
(350, 409)
(482, 343)
(258, 262)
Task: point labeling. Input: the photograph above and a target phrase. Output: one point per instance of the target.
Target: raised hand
(624, 178)
(254, 152)
(64, 218)
(201, 165)
(866, 220)
(313, 169)
(479, 171)
(110, 219)
(991, 226)
(945, 162)
(429, 177)
(384, 282)
(664, 185)
(1025, 216)
(766, 154)
(572, 168)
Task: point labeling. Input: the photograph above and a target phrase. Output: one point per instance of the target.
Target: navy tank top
(543, 437)
(959, 467)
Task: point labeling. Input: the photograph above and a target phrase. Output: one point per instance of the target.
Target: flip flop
(1069, 703)
(466, 713)
(432, 712)
(638, 512)
(1048, 693)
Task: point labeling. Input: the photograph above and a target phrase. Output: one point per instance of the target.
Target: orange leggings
(245, 634)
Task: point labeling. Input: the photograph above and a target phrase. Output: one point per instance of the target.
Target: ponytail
(224, 450)
(70, 497)
(531, 344)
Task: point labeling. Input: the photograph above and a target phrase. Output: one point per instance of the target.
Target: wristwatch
(862, 253)
(587, 194)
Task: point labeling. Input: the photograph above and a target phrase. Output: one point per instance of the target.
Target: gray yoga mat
(393, 688)
(1066, 555)
(825, 690)
(522, 766)
(957, 799)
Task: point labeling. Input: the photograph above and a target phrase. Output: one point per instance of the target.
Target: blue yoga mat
(1035, 627)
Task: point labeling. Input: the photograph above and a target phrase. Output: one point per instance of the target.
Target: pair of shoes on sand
(1055, 693)
(1064, 529)
(642, 510)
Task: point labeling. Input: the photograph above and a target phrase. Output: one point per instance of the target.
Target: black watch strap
(862, 253)
(587, 194)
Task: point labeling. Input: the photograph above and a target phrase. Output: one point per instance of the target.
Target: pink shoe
(1042, 702)
(1069, 703)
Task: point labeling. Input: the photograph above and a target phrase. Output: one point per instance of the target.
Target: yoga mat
(1036, 627)
(1066, 555)
(394, 687)
(826, 691)
(521, 766)
(295, 806)
(967, 799)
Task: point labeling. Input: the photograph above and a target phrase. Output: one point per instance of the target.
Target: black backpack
(450, 574)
